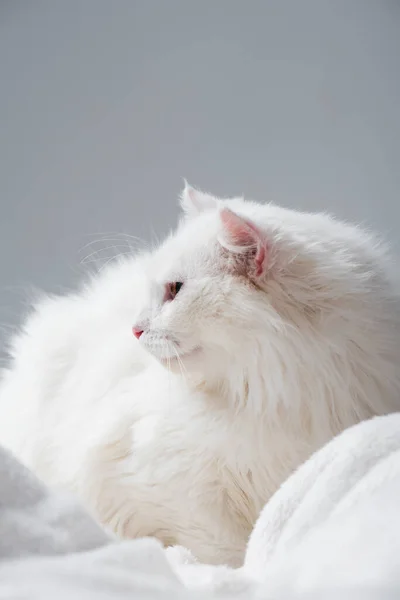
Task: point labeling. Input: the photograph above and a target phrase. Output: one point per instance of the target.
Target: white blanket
(331, 531)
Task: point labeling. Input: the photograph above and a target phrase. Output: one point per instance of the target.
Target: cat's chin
(178, 363)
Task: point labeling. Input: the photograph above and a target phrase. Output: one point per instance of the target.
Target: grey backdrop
(106, 104)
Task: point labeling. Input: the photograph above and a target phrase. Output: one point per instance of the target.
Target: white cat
(262, 332)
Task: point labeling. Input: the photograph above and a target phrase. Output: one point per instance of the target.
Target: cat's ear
(245, 241)
(194, 202)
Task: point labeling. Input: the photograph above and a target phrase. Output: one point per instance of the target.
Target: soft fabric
(331, 531)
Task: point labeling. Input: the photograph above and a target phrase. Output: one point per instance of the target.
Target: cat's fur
(287, 329)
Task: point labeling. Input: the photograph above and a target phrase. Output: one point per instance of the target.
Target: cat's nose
(137, 332)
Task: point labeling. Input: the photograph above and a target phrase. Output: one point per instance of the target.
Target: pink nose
(137, 332)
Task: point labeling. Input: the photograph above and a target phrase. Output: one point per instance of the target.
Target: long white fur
(186, 433)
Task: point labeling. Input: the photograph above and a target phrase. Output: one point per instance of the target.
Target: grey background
(106, 104)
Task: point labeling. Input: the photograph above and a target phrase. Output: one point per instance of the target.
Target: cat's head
(245, 295)
(206, 288)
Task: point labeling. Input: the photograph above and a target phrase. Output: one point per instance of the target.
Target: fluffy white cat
(261, 333)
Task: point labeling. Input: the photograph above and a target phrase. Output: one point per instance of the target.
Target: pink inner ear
(244, 234)
(239, 231)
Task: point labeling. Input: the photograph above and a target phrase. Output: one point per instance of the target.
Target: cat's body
(287, 328)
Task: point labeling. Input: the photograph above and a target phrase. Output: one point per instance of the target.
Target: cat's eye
(173, 288)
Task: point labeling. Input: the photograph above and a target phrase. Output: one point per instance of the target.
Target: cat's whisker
(180, 363)
(101, 246)
(165, 344)
(121, 240)
(116, 257)
(100, 241)
(169, 377)
(115, 234)
(102, 258)
(134, 238)
(100, 250)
